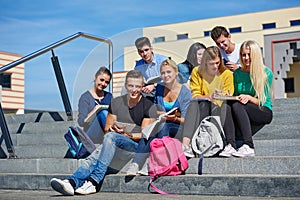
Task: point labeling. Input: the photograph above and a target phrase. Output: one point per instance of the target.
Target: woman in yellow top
(206, 80)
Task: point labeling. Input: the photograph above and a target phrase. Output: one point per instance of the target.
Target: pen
(97, 102)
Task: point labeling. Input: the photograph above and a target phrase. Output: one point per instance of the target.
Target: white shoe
(132, 169)
(188, 151)
(62, 186)
(144, 170)
(86, 188)
(228, 151)
(244, 151)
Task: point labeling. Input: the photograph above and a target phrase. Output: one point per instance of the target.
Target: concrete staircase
(274, 171)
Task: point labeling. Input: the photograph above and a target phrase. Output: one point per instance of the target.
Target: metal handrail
(51, 47)
(60, 43)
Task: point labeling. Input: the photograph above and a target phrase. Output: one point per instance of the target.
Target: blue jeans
(102, 118)
(95, 166)
(95, 131)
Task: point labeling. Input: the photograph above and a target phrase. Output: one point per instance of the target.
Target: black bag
(80, 145)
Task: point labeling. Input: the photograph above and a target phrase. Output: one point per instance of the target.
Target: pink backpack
(166, 159)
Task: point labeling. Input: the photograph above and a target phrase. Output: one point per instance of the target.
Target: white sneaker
(144, 170)
(132, 169)
(188, 151)
(62, 186)
(228, 151)
(86, 188)
(244, 151)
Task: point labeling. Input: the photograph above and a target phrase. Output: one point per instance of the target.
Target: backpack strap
(156, 189)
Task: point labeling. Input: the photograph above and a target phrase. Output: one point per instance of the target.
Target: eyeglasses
(143, 50)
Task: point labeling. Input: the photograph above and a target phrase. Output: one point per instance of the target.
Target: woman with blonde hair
(253, 87)
(207, 79)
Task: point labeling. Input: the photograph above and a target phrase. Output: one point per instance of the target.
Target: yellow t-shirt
(200, 87)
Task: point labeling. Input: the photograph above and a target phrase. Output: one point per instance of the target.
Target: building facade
(12, 85)
(276, 31)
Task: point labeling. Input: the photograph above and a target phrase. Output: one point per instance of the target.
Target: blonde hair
(170, 63)
(211, 53)
(258, 75)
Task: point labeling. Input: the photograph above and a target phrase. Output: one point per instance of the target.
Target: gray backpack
(209, 138)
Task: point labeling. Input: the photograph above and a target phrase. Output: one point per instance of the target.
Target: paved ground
(43, 194)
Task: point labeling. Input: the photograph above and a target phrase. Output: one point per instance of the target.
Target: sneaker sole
(225, 155)
(243, 155)
(189, 155)
(60, 188)
(131, 174)
(142, 173)
(84, 193)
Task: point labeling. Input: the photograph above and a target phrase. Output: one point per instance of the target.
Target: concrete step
(264, 165)
(278, 147)
(281, 131)
(58, 127)
(41, 151)
(286, 101)
(224, 185)
(37, 117)
(284, 117)
(34, 139)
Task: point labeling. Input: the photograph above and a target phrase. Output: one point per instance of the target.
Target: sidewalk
(45, 194)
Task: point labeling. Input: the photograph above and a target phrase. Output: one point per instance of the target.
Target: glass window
(206, 33)
(289, 85)
(159, 39)
(295, 22)
(235, 30)
(182, 36)
(269, 25)
(5, 80)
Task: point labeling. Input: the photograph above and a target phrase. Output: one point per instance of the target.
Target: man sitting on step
(131, 108)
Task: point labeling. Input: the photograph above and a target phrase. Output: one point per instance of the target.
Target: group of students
(190, 87)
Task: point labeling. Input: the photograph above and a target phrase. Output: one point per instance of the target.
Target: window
(269, 25)
(295, 22)
(206, 33)
(289, 85)
(182, 36)
(5, 80)
(235, 30)
(159, 39)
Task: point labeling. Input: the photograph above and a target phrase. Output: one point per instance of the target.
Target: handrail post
(6, 135)
(62, 86)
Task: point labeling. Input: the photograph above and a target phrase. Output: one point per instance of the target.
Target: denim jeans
(95, 131)
(95, 166)
(101, 116)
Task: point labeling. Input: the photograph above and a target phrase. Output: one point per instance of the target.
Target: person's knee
(237, 106)
(109, 137)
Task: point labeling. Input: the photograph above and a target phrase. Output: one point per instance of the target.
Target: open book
(152, 128)
(92, 115)
(224, 97)
(127, 127)
(153, 80)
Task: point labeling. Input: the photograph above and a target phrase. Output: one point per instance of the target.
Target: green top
(243, 85)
